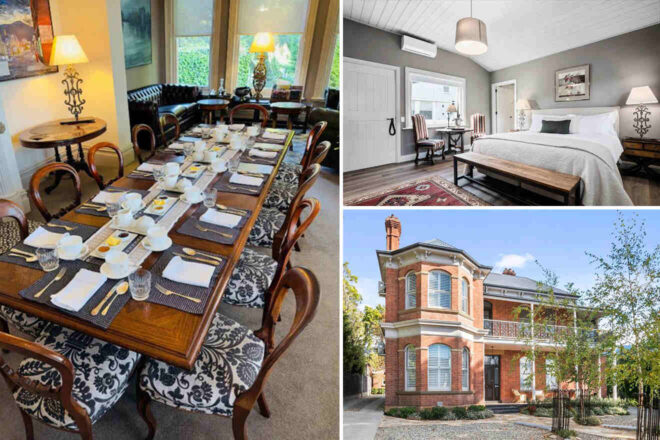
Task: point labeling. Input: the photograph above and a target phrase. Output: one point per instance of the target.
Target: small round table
(64, 133)
(209, 106)
(291, 109)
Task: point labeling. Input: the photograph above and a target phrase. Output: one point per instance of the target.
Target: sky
(556, 238)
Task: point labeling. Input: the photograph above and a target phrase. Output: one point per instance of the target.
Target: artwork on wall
(26, 38)
(136, 27)
(573, 83)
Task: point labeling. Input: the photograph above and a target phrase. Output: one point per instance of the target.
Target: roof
(517, 283)
(438, 242)
(434, 244)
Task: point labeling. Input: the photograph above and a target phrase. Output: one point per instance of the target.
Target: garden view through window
(333, 81)
(193, 60)
(280, 64)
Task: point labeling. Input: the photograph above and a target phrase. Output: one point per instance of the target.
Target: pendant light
(471, 35)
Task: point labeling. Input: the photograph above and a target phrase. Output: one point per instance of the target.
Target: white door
(368, 103)
(505, 108)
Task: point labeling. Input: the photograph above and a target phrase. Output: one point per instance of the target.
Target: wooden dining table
(154, 330)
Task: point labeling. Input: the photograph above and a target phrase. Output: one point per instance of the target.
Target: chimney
(509, 271)
(392, 232)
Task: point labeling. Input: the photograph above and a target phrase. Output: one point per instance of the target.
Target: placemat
(223, 185)
(245, 157)
(271, 141)
(188, 228)
(84, 231)
(92, 211)
(175, 301)
(85, 313)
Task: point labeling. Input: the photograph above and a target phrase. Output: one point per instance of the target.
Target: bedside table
(644, 153)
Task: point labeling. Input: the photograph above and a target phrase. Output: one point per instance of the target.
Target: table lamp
(451, 109)
(67, 51)
(522, 105)
(263, 42)
(640, 96)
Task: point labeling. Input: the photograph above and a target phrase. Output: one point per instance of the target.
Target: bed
(591, 156)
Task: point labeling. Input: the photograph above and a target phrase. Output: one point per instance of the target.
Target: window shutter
(411, 290)
(464, 295)
(440, 290)
(466, 370)
(445, 282)
(433, 367)
(411, 360)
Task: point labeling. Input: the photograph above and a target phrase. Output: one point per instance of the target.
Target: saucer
(142, 206)
(62, 256)
(148, 247)
(192, 202)
(105, 270)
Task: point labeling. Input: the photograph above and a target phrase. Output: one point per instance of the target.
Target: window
(193, 24)
(465, 296)
(550, 379)
(411, 361)
(430, 94)
(333, 82)
(525, 374)
(439, 368)
(411, 290)
(286, 21)
(465, 370)
(439, 289)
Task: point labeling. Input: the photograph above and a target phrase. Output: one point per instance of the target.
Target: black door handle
(392, 128)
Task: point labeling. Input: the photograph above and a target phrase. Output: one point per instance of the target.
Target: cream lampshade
(522, 105)
(641, 116)
(451, 109)
(471, 36)
(263, 42)
(67, 51)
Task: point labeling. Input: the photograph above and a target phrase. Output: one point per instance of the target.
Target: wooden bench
(565, 185)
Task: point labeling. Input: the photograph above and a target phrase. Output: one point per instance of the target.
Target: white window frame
(550, 379)
(525, 361)
(410, 372)
(441, 292)
(436, 370)
(465, 369)
(438, 78)
(411, 304)
(175, 49)
(465, 296)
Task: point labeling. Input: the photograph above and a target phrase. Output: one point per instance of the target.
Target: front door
(492, 377)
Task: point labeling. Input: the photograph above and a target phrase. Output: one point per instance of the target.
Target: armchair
(423, 142)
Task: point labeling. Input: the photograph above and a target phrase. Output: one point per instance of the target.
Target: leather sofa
(146, 104)
(331, 133)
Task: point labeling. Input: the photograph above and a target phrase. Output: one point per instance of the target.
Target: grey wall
(371, 44)
(617, 65)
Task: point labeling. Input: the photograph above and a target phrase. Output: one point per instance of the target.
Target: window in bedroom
(193, 24)
(430, 94)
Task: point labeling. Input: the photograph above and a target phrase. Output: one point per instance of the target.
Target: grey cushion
(250, 280)
(26, 323)
(269, 221)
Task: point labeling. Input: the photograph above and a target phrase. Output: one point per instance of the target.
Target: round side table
(61, 133)
(209, 106)
(291, 109)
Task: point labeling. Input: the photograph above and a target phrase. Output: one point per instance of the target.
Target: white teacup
(133, 201)
(144, 223)
(253, 130)
(172, 168)
(117, 261)
(70, 245)
(210, 156)
(157, 236)
(170, 180)
(222, 128)
(219, 165)
(183, 184)
(124, 217)
(198, 156)
(200, 146)
(193, 194)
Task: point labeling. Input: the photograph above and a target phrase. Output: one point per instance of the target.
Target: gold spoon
(193, 252)
(121, 289)
(97, 309)
(94, 207)
(230, 209)
(25, 257)
(66, 228)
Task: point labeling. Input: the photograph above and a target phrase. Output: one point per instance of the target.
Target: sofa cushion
(176, 109)
(151, 93)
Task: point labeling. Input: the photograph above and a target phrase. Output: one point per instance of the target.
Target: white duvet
(593, 157)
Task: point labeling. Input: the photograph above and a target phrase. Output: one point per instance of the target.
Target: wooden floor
(642, 191)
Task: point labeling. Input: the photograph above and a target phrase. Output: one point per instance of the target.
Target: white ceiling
(518, 30)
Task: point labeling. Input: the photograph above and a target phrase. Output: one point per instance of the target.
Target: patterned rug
(429, 191)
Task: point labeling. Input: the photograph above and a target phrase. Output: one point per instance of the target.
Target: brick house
(450, 331)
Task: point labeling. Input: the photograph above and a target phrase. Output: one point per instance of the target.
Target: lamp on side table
(67, 51)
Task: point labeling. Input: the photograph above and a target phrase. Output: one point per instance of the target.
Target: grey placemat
(141, 176)
(223, 185)
(84, 231)
(85, 313)
(245, 157)
(188, 228)
(271, 141)
(91, 211)
(174, 301)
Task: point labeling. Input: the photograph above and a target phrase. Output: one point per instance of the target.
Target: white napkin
(264, 154)
(255, 168)
(148, 167)
(79, 290)
(271, 147)
(176, 146)
(105, 197)
(270, 135)
(220, 218)
(195, 274)
(241, 179)
(42, 238)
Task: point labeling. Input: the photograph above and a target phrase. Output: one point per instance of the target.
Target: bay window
(439, 368)
(439, 294)
(193, 25)
(430, 94)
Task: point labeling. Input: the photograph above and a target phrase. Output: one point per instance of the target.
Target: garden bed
(597, 407)
(472, 412)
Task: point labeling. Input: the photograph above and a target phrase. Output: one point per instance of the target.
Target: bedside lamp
(263, 43)
(640, 96)
(522, 105)
(451, 109)
(67, 51)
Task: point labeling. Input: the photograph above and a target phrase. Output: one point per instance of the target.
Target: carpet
(429, 191)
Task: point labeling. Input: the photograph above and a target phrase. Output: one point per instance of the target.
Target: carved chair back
(320, 152)
(165, 120)
(263, 111)
(11, 209)
(137, 134)
(35, 195)
(91, 159)
(312, 139)
(419, 127)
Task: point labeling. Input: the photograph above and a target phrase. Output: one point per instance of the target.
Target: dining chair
(138, 132)
(270, 220)
(422, 140)
(165, 120)
(256, 274)
(478, 126)
(35, 195)
(289, 172)
(263, 111)
(66, 380)
(230, 373)
(91, 160)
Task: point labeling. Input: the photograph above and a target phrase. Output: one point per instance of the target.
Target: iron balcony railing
(523, 330)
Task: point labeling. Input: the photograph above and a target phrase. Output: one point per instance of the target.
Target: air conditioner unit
(420, 47)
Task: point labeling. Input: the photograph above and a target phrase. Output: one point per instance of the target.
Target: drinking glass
(159, 175)
(140, 284)
(188, 149)
(210, 195)
(233, 163)
(48, 259)
(113, 208)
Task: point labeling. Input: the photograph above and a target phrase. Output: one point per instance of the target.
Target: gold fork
(94, 207)
(58, 277)
(203, 229)
(167, 292)
(67, 228)
(242, 188)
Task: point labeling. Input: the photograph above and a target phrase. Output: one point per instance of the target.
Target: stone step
(504, 408)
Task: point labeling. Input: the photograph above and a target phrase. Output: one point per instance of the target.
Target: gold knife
(202, 260)
(97, 309)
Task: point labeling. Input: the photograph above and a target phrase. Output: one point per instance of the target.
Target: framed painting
(136, 28)
(573, 83)
(26, 39)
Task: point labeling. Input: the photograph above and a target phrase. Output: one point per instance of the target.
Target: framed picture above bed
(573, 83)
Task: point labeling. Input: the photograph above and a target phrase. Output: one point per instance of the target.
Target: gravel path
(629, 420)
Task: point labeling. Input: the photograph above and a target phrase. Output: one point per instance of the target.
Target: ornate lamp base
(641, 118)
(521, 120)
(73, 91)
(259, 76)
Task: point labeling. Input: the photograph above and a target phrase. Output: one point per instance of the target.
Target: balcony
(523, 330)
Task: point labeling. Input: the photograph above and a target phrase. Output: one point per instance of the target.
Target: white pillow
(537, 121)
(602, 123)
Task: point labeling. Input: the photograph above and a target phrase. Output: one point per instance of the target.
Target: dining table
(154, 330)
